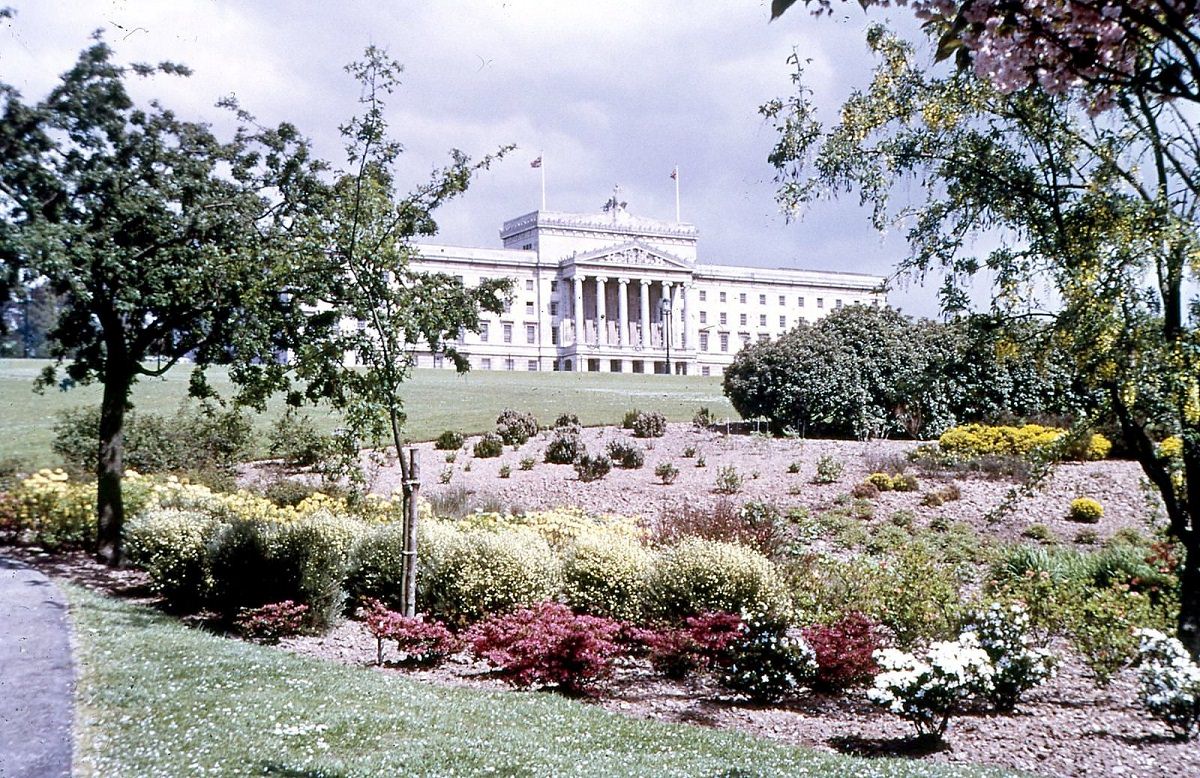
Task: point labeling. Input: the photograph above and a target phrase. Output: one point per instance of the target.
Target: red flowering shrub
(702, 643)
(419, 642)
(844, 651)
(268, 623)
(548, 645)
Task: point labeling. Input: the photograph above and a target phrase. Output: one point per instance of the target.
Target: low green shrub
(287, 492)
(527, 463)
(489, 446)
(650, 424)
(592, 468)
(564, 448)
(505, 470)
(481, 573)
(629, 418)
(376, 568)
(829, 470)
(626, 455)
(515, 427)
(450, 440)
(729, 481)
(666, 472)
(606, 575)
(1039, 532)
(697, 576)
(171, 546)
(567, 420)
(865, 491)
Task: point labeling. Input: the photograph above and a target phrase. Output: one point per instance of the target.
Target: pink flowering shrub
(844, 651)
(268, 623)
(701, 644)
(549, 645)
(419, 642)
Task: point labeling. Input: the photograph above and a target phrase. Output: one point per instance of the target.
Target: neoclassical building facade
(614, 292)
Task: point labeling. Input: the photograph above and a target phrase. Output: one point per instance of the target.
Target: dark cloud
(609, 92)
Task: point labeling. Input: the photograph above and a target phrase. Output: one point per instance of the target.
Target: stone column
(623, 311)
(645, 306)
(601, 312)
(577, 309)
(685, 292)
(668, 329)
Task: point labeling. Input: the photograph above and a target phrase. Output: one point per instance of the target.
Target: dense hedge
(867, 372)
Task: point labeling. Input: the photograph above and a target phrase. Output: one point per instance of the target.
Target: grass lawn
(155, 698)
(436, 400)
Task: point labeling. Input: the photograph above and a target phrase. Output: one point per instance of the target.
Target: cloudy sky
(608, 92)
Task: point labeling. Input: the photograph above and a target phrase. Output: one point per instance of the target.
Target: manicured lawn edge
(157, 698)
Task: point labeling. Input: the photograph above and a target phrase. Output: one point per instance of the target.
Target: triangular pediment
(634, 254)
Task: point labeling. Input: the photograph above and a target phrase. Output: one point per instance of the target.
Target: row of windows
(485, 363)
(762, 299)
(506, 332)
(723, 338)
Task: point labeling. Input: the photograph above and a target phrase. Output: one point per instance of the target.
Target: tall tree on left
(162, 240)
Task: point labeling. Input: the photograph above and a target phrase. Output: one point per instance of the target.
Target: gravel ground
(763, 463)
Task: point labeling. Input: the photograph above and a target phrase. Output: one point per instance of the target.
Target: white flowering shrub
(928, 691)
(1170, 682)
(769, 660)
(1003, 632)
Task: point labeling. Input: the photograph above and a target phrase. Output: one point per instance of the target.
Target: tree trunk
(110, 508)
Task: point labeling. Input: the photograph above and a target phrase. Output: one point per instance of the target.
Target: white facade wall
(558, 260)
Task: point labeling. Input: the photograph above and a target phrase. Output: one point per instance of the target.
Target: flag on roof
(675, 173)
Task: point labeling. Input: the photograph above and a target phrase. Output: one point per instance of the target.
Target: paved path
(36, 676)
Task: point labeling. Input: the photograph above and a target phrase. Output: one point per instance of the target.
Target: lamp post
(665, 306)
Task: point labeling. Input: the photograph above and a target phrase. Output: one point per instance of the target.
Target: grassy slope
(157, 698)
(436, 400)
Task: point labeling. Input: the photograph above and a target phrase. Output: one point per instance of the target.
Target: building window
(531, 333)
(704, 317)
(800, 302)
(725, 341)
(483, 332)
(783, 299)
(723, 317)
(527, 247)
(742, 319)
(508, 306)
(553, 309)
(783, 321)
(529, 308)
(704, 341)
(554, 286)
(820, 302)
(762, 320)
(437, 361)
(742, 298)
(510, 364)
(722, 297)
(507, 329)
(485, 363)
(762, 299)
(706, 370)
(458, 279)
(533, 365)
(703, 295)
(763, 337)
(554, 336)
(837, 303)
(745, 336)
(528, 284)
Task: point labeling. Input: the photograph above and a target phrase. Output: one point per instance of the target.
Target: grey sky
(609, 92)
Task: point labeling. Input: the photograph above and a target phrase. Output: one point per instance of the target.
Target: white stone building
(614, 292)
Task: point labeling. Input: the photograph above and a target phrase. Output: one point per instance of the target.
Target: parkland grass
(435, 400)
(155, 698)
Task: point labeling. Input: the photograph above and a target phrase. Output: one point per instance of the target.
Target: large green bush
(697, 576)
(605, 574)
(170, 545)
(480, 573)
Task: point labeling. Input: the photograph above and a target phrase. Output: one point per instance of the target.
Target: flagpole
(542, 169)
(676, 177)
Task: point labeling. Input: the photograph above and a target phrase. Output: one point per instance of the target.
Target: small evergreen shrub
(703, 418)
(375, 571)
(829, 470)
(865, 491)
(688, 452)
(844, 651)
(1086, 510)
(288, 493)
(515, 428)
(269, 623)
(629, 418)
(793, 467)
(1003, 631)
(567, 420)
(700, 460)
(450, 440)
(1039, 532)
(729, 481)
(592, 468)
(666, 472)
(1087, 537)
(295, 440)
(480, 573)
(527, 463)
(489, 446)
(650, 424)
(564, 448)
(626, 455)
(548, 645)
(171, 545)
(505, 470)
(768, 660)
(700, 575)
(904, 482)
(881, 481)
(605, 575)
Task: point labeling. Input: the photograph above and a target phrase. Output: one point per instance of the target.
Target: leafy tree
(28, 318)
(158, 238)
(1092, 214)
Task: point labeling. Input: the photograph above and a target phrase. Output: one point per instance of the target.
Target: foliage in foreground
(227, 707)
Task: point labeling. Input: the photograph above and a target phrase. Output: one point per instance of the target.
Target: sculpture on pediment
(615, 205)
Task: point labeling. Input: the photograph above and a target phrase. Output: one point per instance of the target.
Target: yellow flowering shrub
(700, 575)
(48, 509)
(606, 575)
(881, 481)
(1171, 448)
(171, 544)
(1086, 510)
(977, 440)
(560, 526)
